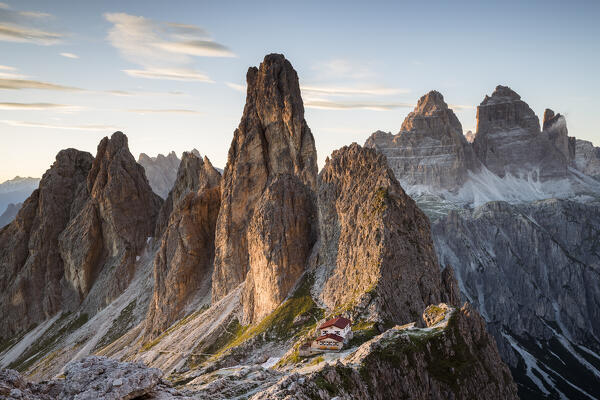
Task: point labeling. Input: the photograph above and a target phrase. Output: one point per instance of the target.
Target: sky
(171, 75)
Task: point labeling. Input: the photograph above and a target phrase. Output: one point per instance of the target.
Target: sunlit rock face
(509, 139)
(375, 250)
(430, 149)
(272, 139)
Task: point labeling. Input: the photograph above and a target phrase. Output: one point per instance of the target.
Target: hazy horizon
(171, 76)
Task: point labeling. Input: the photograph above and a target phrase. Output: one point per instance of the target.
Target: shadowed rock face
(117, 215)
(9, 214)
(281, 234)
(272, 138)
(376, 251)
(555, 125)
(184, 263)
(430, 148)
(509, 140)
(31, 267)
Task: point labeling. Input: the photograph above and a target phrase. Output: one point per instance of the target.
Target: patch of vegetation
(148, 345)
(62, 327)
(324, 384)
(316, 360)
(6, 344)
(279, 325)
(119, 327)
(362, 332)
(203, 351)
(380, 200)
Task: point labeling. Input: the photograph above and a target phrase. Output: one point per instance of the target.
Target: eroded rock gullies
(509, 140)
(31, 267)
(281, 234)
(272, 138)
(116, 214)
(457, 359)
(376, 255)
(430, 149)
(184, 263)
(532, 271)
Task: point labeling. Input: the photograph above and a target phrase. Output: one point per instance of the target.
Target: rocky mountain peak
(432, 116)
(183, 265)
(372, 231)
(430, 149)
(272, 139)
(508, 139)
(502, 94)
(431, 102)
(31, 267)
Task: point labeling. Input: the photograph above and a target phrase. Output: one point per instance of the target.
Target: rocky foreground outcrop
(184, 262)
(532, 271)
(509, 140)
(161, 171)
(430, 148)
(31, 266)
(272, 139)
(375, 250)
(91, 378)
(455, 358)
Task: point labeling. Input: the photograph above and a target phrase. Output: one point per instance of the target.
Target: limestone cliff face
(118, 212)
(430, 148)
(587, 158)
(376, 254)
(31, 267)
(532, 271)
(272, 138)
(509, 140)
(456, 360)
(280, 237)
(184, 263)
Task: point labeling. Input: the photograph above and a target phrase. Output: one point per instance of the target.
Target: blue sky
(171, 74)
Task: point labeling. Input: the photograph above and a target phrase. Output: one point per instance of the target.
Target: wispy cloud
(37, 106)
(343, 68)
(17, 84)
(171, 74)
(59, 126)
(235, 86)
(349, 91)
(164, 111)
(69, 55)
(23, 26)
(373, 106)
(163, 49)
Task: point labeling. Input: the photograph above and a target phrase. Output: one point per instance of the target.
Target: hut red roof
(339, 322)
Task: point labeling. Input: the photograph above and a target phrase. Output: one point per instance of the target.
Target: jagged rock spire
(272, 139)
